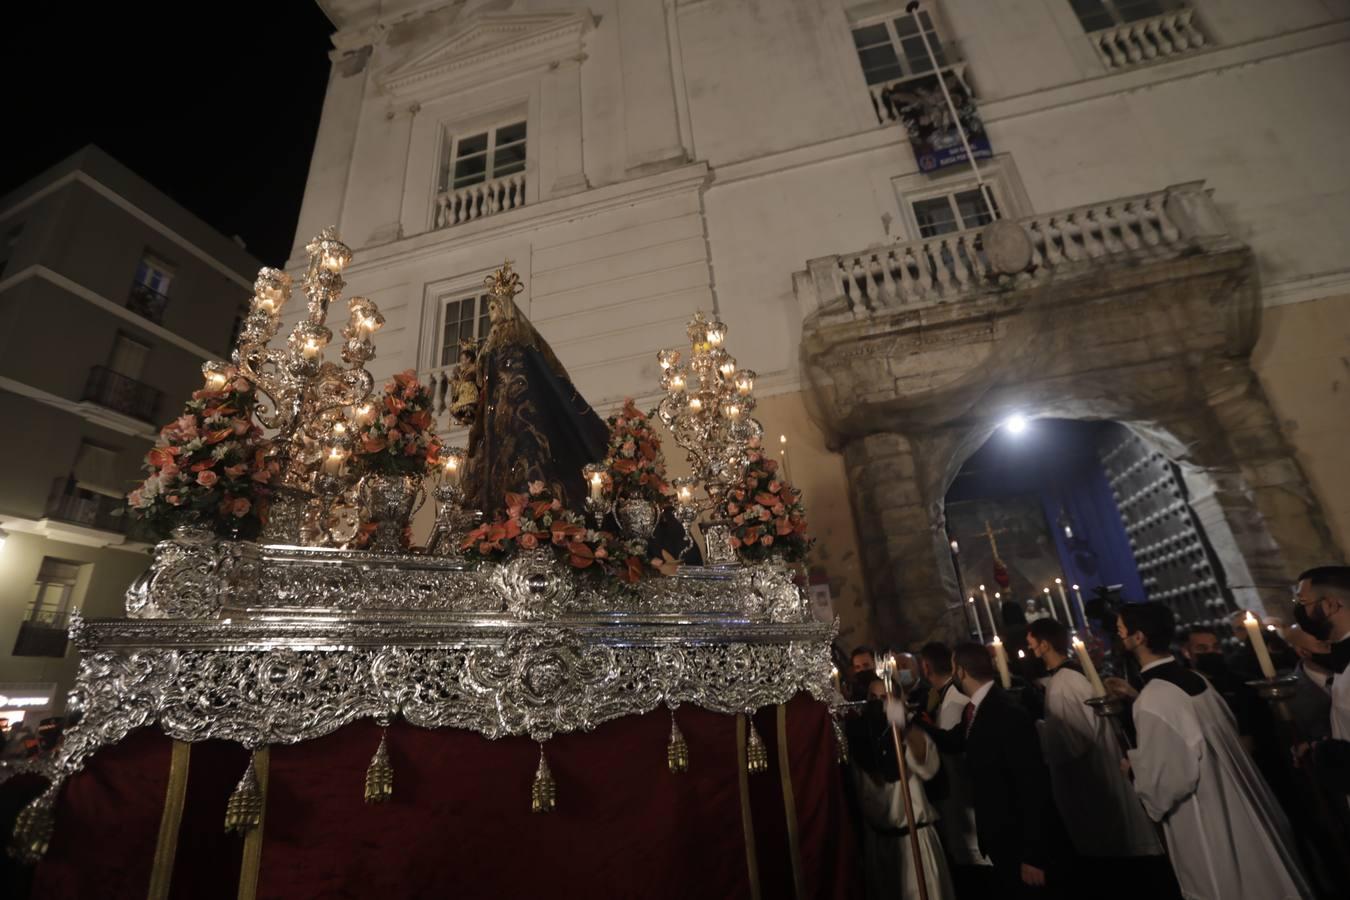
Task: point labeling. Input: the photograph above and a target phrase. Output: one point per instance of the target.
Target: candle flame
(1250, 619)
(1059, 581)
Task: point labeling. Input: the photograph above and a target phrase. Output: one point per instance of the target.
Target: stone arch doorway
(1156, 335)
(1097, 506)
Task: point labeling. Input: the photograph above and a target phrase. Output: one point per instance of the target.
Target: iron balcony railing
(147, 302)
(68, 502)
(122, 394)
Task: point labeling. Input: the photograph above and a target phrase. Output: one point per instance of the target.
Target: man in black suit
(1013, 817)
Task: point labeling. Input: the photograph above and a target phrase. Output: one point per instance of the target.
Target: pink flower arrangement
(636, 465)
(400, 439)
(766, 513)
(537, 519)
(210, 463)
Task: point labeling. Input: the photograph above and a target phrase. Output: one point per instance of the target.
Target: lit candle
(1059, 586)
(339, 428)
(1050, 604)
(745, 382)
(1001, 662)
(1253, 626)
(267, 304)
(450, 471)
(733, 412)
(686, 495)
(365, 414)
(677, 383)
(1082, 610)
(993, 625)
(215, 381)
(834, 680)
(597, 486)
(695, 404)
(311, 348)
(333, 463)
(975, 614)
(1089, 668)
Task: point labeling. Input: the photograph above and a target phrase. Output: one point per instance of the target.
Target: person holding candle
(1014, 818)
(1226, 834)
(1095, 800)
(888, 856)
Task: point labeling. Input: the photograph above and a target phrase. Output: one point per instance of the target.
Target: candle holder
(686, 508)
(300, 395)
(452, 520)
(599, 497)
(1108, 706)
(1277, 691)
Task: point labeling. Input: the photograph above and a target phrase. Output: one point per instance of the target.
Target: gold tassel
(756, 756)
(380, 774)
(544, 793)
(840, 742)
(244, 809)
(34, 826)
(677, 751)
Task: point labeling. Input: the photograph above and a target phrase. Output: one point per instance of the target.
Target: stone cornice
(476, 56)
(526, 219)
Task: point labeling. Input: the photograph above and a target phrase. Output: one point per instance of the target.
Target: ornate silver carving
(534, 585)
(265, 645)
(207, 579)
(637, 518)
(390, 501)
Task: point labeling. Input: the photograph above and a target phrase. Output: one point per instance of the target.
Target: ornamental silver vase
(390, 501)
(637, 518)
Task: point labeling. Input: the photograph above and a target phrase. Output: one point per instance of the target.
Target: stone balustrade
(1157, 38)
(479, 200)
(948, 267)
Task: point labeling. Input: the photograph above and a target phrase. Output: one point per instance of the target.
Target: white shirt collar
(981, 693)
(1157, 662)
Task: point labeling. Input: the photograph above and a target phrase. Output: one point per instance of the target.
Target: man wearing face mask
(1201, 648)
(1226, 834)
(1096, 801)
(1323, 595)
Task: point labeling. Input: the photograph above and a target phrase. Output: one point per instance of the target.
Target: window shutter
(96, 470)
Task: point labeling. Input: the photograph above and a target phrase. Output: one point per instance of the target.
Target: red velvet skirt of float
(459, 822)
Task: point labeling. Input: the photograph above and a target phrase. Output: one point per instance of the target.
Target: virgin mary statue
(530, 423)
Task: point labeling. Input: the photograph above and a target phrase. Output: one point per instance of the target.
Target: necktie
(968, 716)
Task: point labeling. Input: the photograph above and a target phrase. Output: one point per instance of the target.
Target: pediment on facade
(488, 47)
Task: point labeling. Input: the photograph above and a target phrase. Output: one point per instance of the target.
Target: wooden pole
(909, 801)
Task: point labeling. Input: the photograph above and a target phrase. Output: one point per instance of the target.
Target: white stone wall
(691, 149)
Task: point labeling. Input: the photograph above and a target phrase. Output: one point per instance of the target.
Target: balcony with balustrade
(73, 505)
(1155, 39)
(477, 201)
(1009, 256)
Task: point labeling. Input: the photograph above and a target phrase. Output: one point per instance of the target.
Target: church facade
(1153, 235)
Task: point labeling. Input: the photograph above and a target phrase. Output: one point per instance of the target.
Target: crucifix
(991, 535)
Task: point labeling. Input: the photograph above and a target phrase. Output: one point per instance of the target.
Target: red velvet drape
(459, 823)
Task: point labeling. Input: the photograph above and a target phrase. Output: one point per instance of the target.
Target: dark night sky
(215, 104)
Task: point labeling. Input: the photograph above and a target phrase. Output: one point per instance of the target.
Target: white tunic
(957, 824)
(1099, 806)
(1340, 705)
(889, 858)
(1226, 834)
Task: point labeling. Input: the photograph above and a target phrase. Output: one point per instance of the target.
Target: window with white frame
(154, 274)
(1098, 15)
(462, 318)
(891, 49)
(482, 155)
(956, 210)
